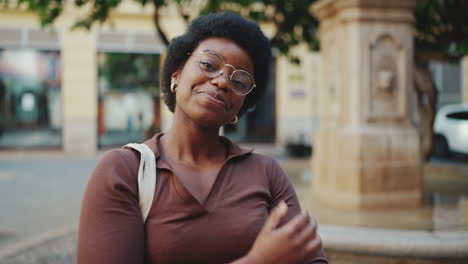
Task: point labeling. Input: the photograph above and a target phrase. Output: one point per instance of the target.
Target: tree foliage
(292, 21)
(441, 28)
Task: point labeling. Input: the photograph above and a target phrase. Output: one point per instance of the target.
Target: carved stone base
(367, 168)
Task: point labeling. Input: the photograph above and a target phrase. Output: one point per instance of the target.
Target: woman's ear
(175, 77)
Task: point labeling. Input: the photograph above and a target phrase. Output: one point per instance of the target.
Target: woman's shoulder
(269, 170)
(119, 156)
(262, 159)
(268, 164)
(117, 164)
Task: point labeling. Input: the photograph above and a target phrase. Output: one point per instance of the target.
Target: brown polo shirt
(179, 229)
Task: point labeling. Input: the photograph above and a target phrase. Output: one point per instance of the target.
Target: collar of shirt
(234, 150)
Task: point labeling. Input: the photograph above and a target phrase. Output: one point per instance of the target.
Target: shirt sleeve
(111, 229)
(281, 189)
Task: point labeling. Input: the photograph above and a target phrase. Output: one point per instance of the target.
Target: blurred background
(352, 83)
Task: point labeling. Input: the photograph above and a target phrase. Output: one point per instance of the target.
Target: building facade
(81, 90)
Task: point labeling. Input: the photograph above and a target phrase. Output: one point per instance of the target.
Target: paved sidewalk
(39, 194)
(52, 248)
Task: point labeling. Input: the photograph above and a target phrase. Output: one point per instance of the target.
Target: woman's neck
(193, 144)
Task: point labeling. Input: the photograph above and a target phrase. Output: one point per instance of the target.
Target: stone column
(79, 84)
(366, 152)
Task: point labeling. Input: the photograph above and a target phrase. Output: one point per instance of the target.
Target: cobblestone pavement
(58, 250)
(40, 193)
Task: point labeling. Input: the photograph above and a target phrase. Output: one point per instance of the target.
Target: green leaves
(291, 18)
(48, 10)
(441, 28)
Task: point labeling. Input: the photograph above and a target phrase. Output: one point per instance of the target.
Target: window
(128, 107)
(30, 98)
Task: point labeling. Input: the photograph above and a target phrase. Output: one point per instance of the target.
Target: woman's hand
(295, 242)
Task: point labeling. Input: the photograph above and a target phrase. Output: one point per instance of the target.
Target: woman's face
(210, 102)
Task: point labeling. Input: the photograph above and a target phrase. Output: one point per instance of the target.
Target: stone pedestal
(366, 152)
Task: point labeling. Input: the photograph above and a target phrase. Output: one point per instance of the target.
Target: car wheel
(441, 148)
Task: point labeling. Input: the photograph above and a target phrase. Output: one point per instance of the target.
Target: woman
(214, 201)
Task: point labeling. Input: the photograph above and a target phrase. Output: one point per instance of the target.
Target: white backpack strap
(146, 177)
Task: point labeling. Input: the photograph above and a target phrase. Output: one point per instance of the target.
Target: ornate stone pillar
(366, 152)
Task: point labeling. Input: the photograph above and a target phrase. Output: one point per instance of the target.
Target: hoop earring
(233, 122)
(173, 87)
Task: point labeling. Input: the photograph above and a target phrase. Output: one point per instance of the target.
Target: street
(39, 195)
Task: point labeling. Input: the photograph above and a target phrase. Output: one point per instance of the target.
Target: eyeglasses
(212, 65)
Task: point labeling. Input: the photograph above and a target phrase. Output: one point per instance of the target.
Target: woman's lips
(215, 98)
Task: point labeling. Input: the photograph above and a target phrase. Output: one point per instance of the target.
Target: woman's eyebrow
(218, 54)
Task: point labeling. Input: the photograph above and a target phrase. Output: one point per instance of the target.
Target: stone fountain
(367, 150)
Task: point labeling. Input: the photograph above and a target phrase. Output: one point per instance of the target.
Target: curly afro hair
(245, 33)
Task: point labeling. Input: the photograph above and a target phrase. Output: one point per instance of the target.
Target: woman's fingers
(294, 242)
(295, 225)
(312, 246)
(301, 231)
(275, 217)
(308, 232)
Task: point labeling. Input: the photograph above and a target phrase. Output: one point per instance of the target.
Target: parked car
(451, 130)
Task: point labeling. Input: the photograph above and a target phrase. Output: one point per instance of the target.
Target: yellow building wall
(79, 91)
(17, 18)
(296, 100)
(79, 75)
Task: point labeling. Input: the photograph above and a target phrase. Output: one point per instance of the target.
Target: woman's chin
(211, 121)
(213, 117)
(214, 124)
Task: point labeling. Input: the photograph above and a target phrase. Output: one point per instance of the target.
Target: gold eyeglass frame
(202, 53)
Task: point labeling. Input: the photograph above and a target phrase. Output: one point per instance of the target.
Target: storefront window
(128, 108)
(30, 100)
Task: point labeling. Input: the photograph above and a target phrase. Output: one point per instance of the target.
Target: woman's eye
(208, 66)
(239, 84)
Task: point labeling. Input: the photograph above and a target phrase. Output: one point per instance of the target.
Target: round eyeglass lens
(211, 65)
(241, 82)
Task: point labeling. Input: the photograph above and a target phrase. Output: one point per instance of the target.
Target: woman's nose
(221, 81)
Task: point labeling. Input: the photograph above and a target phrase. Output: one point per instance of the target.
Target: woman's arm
(111, 228)
(289, 235)
(295, 242)
(282, 189)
